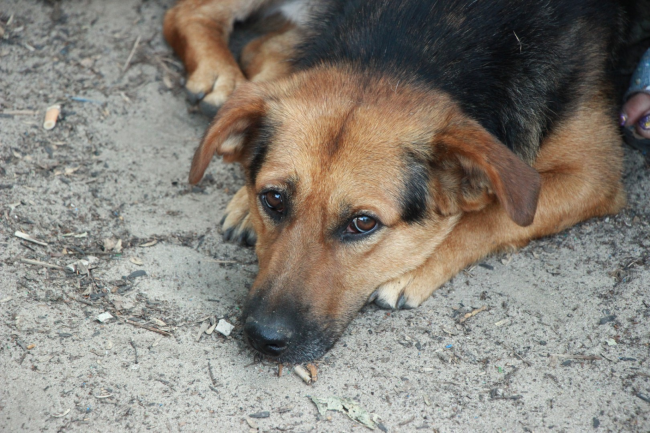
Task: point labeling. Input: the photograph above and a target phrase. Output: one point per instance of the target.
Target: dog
(389, 144)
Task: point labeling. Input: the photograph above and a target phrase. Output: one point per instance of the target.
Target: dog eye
(273, 200)
(361, 224)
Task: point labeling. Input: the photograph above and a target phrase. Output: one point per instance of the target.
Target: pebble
(224, 327)
(607, 319)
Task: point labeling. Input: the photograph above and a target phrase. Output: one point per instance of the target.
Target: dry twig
(128, 60)
(38, 263)
(472, 313)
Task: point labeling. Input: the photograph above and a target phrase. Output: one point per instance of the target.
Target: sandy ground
(562, 346)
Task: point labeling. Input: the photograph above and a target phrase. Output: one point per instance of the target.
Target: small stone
(104, 317)
(263, 414)
(136, 274)
(224, 327)
(595, 422)
(607, 319)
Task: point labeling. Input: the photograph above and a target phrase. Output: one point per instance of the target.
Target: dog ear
(227, 134)
(486, 162)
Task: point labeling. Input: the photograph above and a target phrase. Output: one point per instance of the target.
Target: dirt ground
(563, 345)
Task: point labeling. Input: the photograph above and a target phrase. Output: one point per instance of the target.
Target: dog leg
(198, 31)
(267, 57)
(236, 223)
(580, 166)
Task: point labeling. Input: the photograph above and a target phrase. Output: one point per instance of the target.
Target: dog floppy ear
(482, 158)
(227, 134)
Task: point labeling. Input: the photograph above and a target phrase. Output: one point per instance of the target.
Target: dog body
(406, 140)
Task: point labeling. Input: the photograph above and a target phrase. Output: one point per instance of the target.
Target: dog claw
(236, 223)
(402, 305)
(194, 98)
(400, 302)
(208, 109)
(245, 237)
(228, 234)
(383, 304)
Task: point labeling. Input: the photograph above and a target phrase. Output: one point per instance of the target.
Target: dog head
(353, 179)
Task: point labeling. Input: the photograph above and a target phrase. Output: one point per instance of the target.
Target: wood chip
(313, 372)
(150, 244)
(28, 238)
(502, 322)
(204, 327)
(157, 322)
(61, 415)
(136, 261)
(210, 330)
(252, 424)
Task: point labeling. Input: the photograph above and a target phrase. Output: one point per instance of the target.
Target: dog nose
(270, 338)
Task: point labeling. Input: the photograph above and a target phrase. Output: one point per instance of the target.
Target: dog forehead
(348, 131)
(343, 151)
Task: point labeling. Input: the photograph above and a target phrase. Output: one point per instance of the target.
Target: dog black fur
(515, 66)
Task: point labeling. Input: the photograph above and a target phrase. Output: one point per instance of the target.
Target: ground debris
(499, 394)
(223, 327)
(43, 264)
(472, 313)
(302, 373)
(348, 407)
(104, 317)
(28, 238)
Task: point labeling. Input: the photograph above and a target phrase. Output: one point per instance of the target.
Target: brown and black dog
(389, 144)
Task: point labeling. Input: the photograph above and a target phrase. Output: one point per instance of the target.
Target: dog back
(518, 67)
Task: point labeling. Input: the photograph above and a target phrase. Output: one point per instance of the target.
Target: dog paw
(403, 293)
(236, 224)
(210, 87)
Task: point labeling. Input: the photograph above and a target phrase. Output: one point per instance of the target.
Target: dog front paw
(392, 295)
(405, 292)
(211, 86)
(236, 223)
